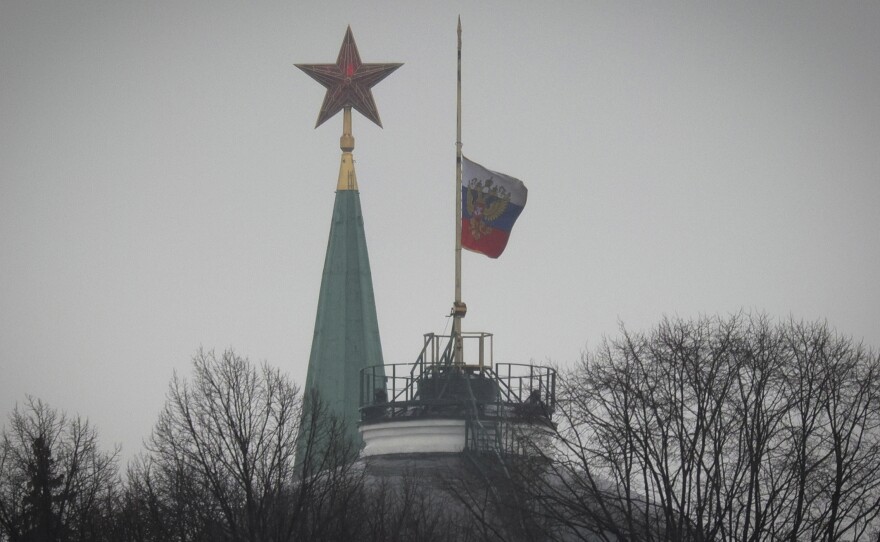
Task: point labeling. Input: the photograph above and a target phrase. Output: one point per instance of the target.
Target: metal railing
(434, 385)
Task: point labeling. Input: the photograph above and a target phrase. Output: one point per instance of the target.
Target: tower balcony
(439, 405)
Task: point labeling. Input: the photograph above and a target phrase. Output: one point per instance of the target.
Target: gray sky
(162, 187)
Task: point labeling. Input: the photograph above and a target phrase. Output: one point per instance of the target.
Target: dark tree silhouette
(736, 429)
(55, 484)
(44, 497)
(221, 467)
(221, 454)
(714, 429)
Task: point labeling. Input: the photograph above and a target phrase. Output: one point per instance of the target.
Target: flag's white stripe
(516, 188)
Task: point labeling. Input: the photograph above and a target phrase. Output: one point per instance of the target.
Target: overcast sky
(162, 186)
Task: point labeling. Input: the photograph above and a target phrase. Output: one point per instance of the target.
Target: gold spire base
(347, 178)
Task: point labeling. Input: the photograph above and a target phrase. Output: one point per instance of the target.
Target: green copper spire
(346, 337)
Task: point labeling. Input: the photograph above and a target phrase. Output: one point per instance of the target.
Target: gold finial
(347, 178)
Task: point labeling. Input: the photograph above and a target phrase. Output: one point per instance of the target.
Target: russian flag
(490, 204)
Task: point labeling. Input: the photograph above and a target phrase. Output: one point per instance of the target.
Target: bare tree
(166, 502)
(222, 451)
(715, 429)
(55, 483)
(842, 484)
(221, 462)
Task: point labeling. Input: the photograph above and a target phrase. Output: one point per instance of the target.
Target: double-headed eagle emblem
(485, 202)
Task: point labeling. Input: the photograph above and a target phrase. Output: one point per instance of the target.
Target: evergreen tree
(42, 521)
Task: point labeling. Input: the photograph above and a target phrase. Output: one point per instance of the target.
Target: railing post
(491, 350)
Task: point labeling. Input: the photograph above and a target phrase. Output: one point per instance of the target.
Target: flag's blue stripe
(503, 222)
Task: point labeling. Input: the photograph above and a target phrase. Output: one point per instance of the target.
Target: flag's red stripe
(491, 244)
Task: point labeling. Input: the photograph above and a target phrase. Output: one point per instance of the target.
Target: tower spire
(346, 337)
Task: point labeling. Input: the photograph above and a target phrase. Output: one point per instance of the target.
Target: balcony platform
(437, 406)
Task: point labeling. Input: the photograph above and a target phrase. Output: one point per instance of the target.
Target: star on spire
(348, 82)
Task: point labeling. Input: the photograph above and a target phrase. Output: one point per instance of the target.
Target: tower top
(346, 338)
(349, 81)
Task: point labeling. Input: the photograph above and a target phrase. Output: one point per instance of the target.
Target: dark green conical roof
(346, 335)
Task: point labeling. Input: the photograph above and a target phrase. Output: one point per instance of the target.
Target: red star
(348, 82)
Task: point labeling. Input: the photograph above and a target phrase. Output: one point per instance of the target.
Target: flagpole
(458, 309)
